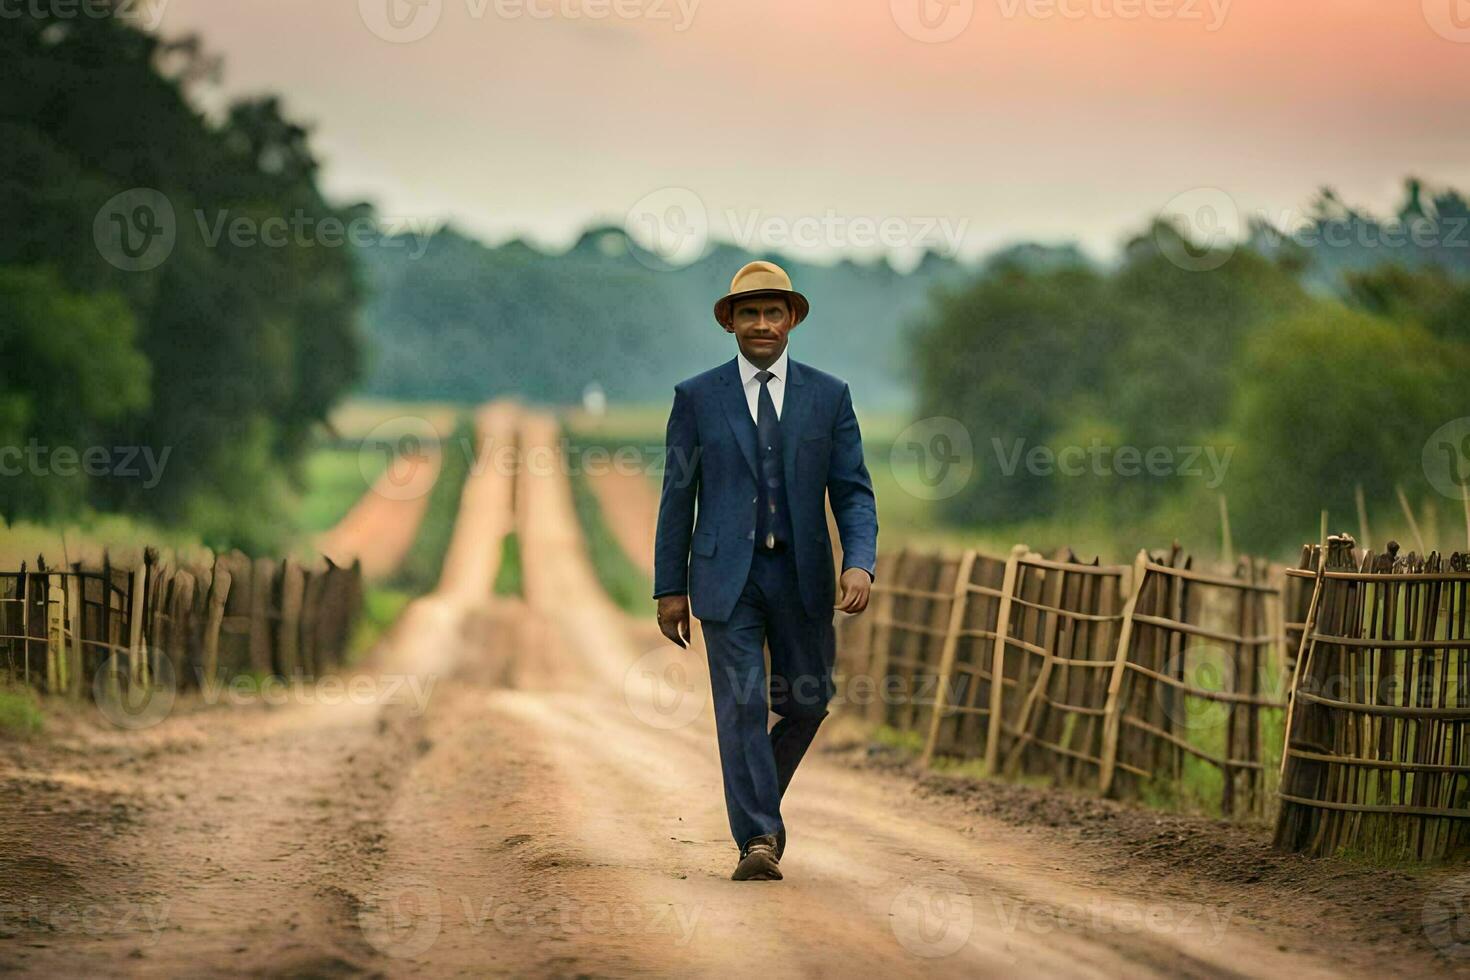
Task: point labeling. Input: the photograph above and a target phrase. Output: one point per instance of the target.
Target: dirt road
(556, 811)
(629, 501)
(380, 527)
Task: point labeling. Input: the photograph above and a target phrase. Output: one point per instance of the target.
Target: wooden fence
(1378, 756)
(1139, 681)
(60, 625)
(1199, 682)
(1102, 676)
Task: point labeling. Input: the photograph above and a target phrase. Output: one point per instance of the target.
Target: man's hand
(673, 617)
(856, 585)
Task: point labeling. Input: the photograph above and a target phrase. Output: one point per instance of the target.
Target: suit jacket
(709, 460)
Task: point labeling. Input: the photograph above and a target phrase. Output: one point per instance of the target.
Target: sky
(852, 127)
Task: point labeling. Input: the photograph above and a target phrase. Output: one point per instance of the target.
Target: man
(760, 443)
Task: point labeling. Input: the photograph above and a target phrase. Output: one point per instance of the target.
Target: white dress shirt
(777, 384)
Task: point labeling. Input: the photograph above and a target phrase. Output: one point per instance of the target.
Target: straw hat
(761, 277)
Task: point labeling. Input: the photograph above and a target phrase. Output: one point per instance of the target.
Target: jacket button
(750, 535)
(755, 500)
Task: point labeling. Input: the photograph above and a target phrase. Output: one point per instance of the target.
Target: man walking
(760, 443)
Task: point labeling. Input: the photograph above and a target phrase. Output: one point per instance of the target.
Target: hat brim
(725, 305)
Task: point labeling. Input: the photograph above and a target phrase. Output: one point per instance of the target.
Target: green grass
(508, 580)
(908, 520)
(1388, 841)
(960, 768)
(1200, 785)
(623, 581)
(419, 573)
(892, 738)
(336, 478)
(20, 714)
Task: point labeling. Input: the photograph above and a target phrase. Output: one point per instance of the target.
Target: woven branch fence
(1111, 677)
(60, 626)
(1378, 757)
(1139, 681)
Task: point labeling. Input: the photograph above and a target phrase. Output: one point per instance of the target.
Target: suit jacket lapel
(737, 413)
(794, 410)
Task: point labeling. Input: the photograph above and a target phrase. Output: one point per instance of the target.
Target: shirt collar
(748, 370)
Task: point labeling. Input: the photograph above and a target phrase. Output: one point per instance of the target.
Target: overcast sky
(813, 127)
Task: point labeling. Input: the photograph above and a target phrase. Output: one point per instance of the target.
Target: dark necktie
(768, 436)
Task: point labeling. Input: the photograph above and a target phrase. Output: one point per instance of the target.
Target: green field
(905, 519)
(336, 478)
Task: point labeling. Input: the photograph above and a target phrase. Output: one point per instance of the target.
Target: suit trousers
(758, 765)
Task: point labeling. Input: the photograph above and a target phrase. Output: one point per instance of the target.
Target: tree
(244, 344)
(1015, 356)
(73, 372)
(1331, 398)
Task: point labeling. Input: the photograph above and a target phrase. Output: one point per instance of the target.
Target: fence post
(998, 658)
(1043, 673)
(38, 603)
(958, 602)
(312, 659)
(219, 590)
(155, 605)
(288, 635)
(108, 650)
(55, 623)
(1309, 626)
(1113, 710)
(77, 612)
(180, 609)
(53, 612)
(137, 595)
(262, 579)
(883, 620)
(24, 591)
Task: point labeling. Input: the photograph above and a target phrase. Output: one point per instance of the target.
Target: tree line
(166, 357)
(1280, 373)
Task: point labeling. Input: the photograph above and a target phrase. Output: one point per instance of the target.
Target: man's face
(760, 325)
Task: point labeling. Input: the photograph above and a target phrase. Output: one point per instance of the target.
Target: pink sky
(1040, 119)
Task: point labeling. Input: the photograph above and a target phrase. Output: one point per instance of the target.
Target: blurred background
(1103, 273)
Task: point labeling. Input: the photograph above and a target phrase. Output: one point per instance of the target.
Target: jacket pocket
(704, 544)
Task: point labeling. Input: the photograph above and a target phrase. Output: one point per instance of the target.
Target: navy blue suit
(746, 596)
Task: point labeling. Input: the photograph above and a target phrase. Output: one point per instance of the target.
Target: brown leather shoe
(758, 860)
